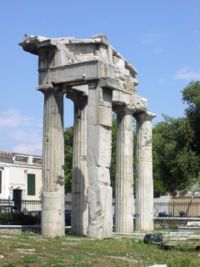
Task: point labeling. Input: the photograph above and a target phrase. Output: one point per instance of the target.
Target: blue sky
(161, 38)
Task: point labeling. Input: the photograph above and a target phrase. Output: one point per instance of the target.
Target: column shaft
(124, 200)
(79, 174)
(53, 165)
(98, 161)
(144, 182)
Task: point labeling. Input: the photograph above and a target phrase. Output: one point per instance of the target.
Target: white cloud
(21, 133)
(187, 74)
(28, 141)
(33, 149)
(28, 134)
(13, 118)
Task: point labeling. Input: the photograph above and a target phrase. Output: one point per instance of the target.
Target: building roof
(14, 157)
(5, 154)
(12, 154)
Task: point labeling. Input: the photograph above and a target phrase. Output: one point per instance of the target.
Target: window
(21, 159)
(31, 184)
(0, 182)
(37, 161)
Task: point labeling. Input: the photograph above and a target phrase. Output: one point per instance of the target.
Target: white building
(20, 177)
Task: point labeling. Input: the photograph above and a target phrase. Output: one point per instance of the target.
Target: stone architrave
(144, 181)
(53, 164)
(79, 172)
(98, 161)
(124, 200)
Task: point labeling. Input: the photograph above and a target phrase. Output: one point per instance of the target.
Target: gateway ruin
(99, 81)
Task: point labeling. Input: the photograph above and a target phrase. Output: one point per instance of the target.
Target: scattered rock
(193, 224)
(122, 259)
(8, 236)
(25, 250)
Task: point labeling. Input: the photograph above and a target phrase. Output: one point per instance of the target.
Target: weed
(29, 259)
(9, 264)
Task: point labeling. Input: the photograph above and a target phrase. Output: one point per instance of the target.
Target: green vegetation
(176, 147)
(114, 147)
(191, 96)
(176, 165)
(68, 158)
(36, 251)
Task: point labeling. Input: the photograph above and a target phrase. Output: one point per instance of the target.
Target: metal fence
(177, 209)
(10, 206)
(24, 206)
(164, 209)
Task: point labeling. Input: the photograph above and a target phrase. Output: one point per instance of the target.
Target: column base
(100, 212)
(79, 214)
(145, 225)
(53, 217)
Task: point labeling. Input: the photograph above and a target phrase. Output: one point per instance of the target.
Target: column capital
(45, 87)
(144, 116)
(49, 87)
(123, 110)
(79, 98)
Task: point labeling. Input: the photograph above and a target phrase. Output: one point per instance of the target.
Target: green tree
(68, 139)
(176, 165)
(191, 96)
(113, 155)
(176, 146)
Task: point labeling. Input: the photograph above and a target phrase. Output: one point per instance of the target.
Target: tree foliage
(113, 155)
(176, 146)
(68, 139)
(176, 165)
(191, 96)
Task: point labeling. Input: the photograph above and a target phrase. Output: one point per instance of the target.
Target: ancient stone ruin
(99, 81)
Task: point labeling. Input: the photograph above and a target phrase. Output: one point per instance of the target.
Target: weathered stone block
(104, 147)
(101, 176)
(100, 211)
(104, 117)
(53, 223)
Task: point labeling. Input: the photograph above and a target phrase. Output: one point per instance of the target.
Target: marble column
(144, 181)
(79, 173)
(98, 161)
(124, 200)
(53, 165)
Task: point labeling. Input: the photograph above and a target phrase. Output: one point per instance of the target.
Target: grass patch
(72, 251)
(29, 259)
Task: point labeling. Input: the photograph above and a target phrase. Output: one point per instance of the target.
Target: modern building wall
(15, 169)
